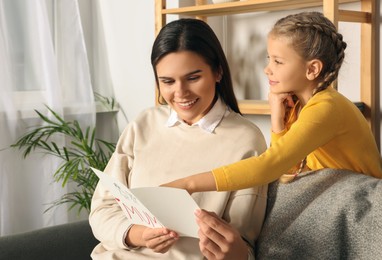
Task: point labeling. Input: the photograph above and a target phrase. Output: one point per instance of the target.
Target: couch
(70, 241)
(325, 214)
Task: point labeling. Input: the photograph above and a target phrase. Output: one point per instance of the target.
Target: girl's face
(286, 69)
(187, 83)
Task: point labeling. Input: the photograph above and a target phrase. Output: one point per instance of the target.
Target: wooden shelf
(246, 7)
(257, 107)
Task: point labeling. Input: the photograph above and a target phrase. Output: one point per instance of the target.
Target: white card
(155, 206)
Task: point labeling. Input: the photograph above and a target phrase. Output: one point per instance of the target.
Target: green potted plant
(83, 150)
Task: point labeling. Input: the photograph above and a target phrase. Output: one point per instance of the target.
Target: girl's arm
(318, 123)
(195, 183)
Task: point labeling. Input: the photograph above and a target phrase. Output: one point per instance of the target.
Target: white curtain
(43, 60)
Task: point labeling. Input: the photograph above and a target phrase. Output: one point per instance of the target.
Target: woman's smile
(186, 104)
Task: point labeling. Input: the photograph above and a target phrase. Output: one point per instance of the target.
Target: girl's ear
(313, 69)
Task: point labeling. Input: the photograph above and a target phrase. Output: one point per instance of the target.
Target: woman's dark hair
(196, 36)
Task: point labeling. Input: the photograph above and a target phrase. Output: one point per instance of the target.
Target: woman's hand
(159, 240)
(218, 239)
(279, 103)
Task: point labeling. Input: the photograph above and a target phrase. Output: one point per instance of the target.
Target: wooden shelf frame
(331, 8)
(248, 6)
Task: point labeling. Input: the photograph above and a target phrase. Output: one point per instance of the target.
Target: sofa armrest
(67, 241)
(323, 214)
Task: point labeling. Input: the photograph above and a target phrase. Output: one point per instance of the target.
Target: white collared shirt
(209, 122)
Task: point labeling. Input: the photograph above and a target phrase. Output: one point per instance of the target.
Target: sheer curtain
(43, 60)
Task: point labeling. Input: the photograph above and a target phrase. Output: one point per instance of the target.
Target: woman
(199, 126)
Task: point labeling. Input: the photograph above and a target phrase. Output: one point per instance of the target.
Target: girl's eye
(274, 60)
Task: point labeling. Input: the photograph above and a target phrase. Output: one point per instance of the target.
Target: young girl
(199, 127)
(313, 126)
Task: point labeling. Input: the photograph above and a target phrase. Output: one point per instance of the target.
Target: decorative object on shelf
(78, 155)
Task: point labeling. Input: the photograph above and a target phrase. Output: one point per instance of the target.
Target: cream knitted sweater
(149, 153)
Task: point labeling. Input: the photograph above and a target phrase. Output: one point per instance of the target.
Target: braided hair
(313, 36)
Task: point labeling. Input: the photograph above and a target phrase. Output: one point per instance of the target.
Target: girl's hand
(194, 183)
(159, 240)
(279, 103)
(179, 184)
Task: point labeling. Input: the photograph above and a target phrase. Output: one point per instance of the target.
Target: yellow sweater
(330, 131)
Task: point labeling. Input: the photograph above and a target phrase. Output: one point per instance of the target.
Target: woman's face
(187, 83)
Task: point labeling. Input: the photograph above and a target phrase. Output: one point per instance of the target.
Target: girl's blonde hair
(312, 36)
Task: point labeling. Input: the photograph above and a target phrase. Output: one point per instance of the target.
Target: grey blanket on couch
(325, 214)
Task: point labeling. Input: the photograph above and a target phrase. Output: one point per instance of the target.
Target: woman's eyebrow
(163, 77)
(193, 72)
(187, 74)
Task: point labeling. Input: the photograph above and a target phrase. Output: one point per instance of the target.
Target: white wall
(129, 27)
(129, 31)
